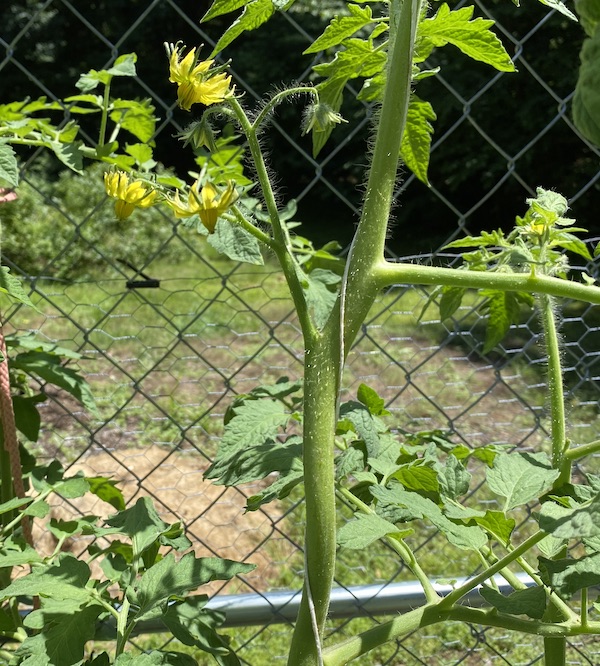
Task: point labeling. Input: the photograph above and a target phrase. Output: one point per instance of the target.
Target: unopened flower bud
(320, 117)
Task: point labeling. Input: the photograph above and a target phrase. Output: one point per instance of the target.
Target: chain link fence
(168, 346)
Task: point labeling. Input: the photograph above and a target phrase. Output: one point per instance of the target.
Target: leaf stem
(104, 114)
(503, 562)
(388, 273)
(576, 453)
(402, 548)
(277, 99)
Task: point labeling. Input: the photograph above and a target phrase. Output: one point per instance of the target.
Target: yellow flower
(196, 82)
(129, 195)
(207, 203)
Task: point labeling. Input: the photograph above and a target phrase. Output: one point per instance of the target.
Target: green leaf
(236, 243)
(418, 477)
(560, 7)
(141, 523)
(254, 422)
(342, 27)
(571, 523)
(27, 417)
(364, 425)
(63, 580)
(371, 400)
(498, 525)
(462, 536)
(69, 154)
(15, 558)
(191, 624)
(48, 367)
(363, 530)
(359, 58)
(124, 66)
(168, 579)
(569, 576)
(450, 301)
(279, 489)
(136, 117)
(415, 147)
(320, 288)
(13, 287)
(473, 37)
(63, 634)
(220, 7)
(256, 12)
(14, 503)
(9, 167)
(106, 489)
(521, 477)
(504, 309)
(454, 480)
(530, 601)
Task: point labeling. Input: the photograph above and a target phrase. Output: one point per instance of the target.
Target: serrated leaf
(141, 523)
(320, 288)
(349, 461)
(342, 27)
(521, 477)
(371, 400)
(462, 536)
(168, 579)
(70, 154)
(63, 580)
(560, 7)
(418, 477)
(503, 309)
(9, 168)
(12, 286)
(473, 37)
(254, 423)
(48, 367)
(220, 7)
(571, 523)
(254, 15)
(236, 243)
(106, 489)
(498, 525)
(124, 66)
(568, 576)
(364, 424)
(415, 148)
(191, 624)
(279, 489)
(63, 635)
(450, 301)
(136, 117)
(530, 601)
(363, 530)
(454, 479)
(550, 547)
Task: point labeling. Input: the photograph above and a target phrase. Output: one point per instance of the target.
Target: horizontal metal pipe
(384, 599)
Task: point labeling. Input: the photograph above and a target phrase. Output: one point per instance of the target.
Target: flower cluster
(206, 202)
(129, 195)
(197, 82)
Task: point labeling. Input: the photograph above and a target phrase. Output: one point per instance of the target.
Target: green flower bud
(200, 134)
(320, 117)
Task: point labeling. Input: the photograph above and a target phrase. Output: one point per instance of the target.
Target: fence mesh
(165, 362)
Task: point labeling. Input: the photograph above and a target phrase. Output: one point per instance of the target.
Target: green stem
(578, 452)
(104, 115)
(555, 388)
(123, 629)
(402, 548)
(503, 562)
(360, 287)
(388, 273)
(282, 244)
(250, 228)
(584, 607)
(320, 395)
(277, 99)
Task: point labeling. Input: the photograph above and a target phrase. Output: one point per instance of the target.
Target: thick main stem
(321, 371)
